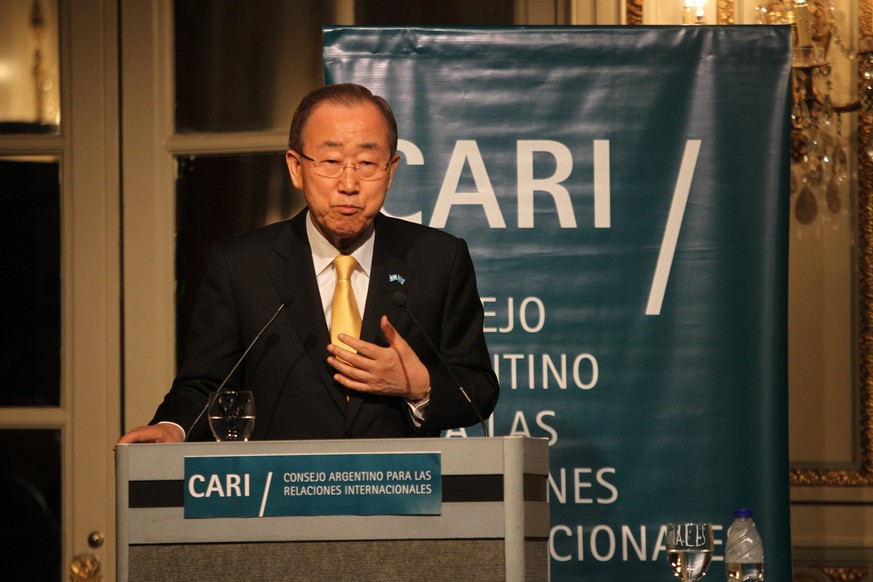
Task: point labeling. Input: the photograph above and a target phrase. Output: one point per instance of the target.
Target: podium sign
(284, 485)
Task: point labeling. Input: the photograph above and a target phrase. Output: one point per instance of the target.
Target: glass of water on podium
(231, 415)
(689, 549)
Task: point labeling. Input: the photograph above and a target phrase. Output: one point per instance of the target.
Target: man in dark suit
(343, 155)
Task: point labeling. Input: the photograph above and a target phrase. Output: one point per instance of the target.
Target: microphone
(235, 366)
(399, 299)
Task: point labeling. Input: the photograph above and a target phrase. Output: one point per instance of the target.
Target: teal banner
(293, 485)
(624, 192)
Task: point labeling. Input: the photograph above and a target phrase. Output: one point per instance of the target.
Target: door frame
(89, 415)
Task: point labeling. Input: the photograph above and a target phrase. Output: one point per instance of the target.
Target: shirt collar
(323, 253)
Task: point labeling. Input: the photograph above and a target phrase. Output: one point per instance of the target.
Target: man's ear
(294, 169)
(394, 163)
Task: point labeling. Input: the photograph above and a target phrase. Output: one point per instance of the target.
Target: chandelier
(820, 140)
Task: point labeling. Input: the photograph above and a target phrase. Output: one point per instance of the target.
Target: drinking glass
(231, 415)
(689, 549)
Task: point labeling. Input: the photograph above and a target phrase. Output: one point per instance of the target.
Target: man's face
(342, 208)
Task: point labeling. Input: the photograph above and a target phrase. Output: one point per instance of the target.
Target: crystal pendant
(815, 175)
(832, 195)
(806, 208)
(814, 149)
(805, 115)
(826, 159)
(841, 164)
(827, 113)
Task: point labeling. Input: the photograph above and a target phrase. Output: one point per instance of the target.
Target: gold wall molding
(634, 12)
(865, 19)
(725, 12)
(846, 574)
(832, 573)
(863, 476)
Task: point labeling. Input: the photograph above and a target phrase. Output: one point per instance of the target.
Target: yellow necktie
(345, 317)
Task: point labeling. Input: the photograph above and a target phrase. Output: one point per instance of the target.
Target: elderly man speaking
(344, 358)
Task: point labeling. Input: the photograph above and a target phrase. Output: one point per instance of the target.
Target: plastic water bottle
(744, 554)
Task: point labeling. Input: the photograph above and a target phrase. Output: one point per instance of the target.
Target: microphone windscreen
(399, 298)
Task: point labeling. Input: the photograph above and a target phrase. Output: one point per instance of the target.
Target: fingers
(344, 357)
(362, 348)
(394, 370)
(371, 369)
(388, 330)
(158, 433)
(342, 361)
(365, 349)
(348, 382)
(140, 434)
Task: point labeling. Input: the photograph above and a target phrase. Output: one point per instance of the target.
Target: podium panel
(493, 523)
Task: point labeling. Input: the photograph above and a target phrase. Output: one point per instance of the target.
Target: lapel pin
(395, 278)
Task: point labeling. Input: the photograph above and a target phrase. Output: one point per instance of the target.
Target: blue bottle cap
(742, 513)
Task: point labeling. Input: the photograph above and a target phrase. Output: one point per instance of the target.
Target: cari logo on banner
(289, 485)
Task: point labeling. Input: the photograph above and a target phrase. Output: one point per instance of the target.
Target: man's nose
(348, 180)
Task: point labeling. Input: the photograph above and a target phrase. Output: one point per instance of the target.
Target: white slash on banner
(266, 493)
(674, 225)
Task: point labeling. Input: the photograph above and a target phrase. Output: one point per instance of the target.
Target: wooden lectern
(493, 523)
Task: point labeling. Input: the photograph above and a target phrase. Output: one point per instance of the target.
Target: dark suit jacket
(295, 395)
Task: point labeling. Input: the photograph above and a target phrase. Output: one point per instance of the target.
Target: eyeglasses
(335, 168)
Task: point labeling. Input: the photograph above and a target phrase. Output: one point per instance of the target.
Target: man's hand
(391, 371)
(163, 432)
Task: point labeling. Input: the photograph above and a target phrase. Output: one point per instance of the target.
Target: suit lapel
(389, 274)
(294, 277)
